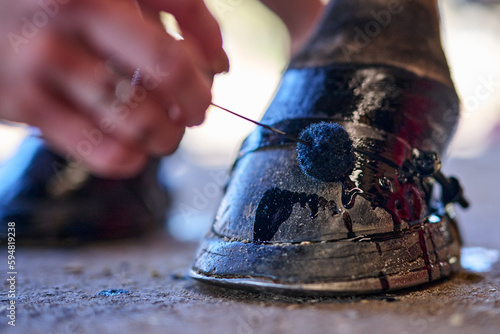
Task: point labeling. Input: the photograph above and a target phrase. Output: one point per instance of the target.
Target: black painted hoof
(374, 229)
(49, 200)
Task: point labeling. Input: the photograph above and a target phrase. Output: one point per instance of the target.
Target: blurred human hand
(66, 68)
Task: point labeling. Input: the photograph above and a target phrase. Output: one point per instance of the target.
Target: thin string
(295, 139)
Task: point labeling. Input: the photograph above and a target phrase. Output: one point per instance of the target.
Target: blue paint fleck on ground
(112, 292)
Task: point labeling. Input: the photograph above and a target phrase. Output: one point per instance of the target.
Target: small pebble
(106, 271)
(74, 268)
(154, 273)
(292, 307)
(178, 276)
(456, 320)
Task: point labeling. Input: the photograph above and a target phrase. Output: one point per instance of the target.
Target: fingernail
(221, 64)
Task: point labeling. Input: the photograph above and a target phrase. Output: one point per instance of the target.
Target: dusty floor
(57, 288)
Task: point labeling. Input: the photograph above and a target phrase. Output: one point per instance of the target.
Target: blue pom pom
(330, 155)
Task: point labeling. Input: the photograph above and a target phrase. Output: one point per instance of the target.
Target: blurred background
(258, 48)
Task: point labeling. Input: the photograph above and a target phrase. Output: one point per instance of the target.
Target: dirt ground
(58, 287)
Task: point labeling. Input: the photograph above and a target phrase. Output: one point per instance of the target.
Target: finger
(196, 21)
(130, 114)
(150, 124)
(142, 120)
(166, 66)
(80, 141)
